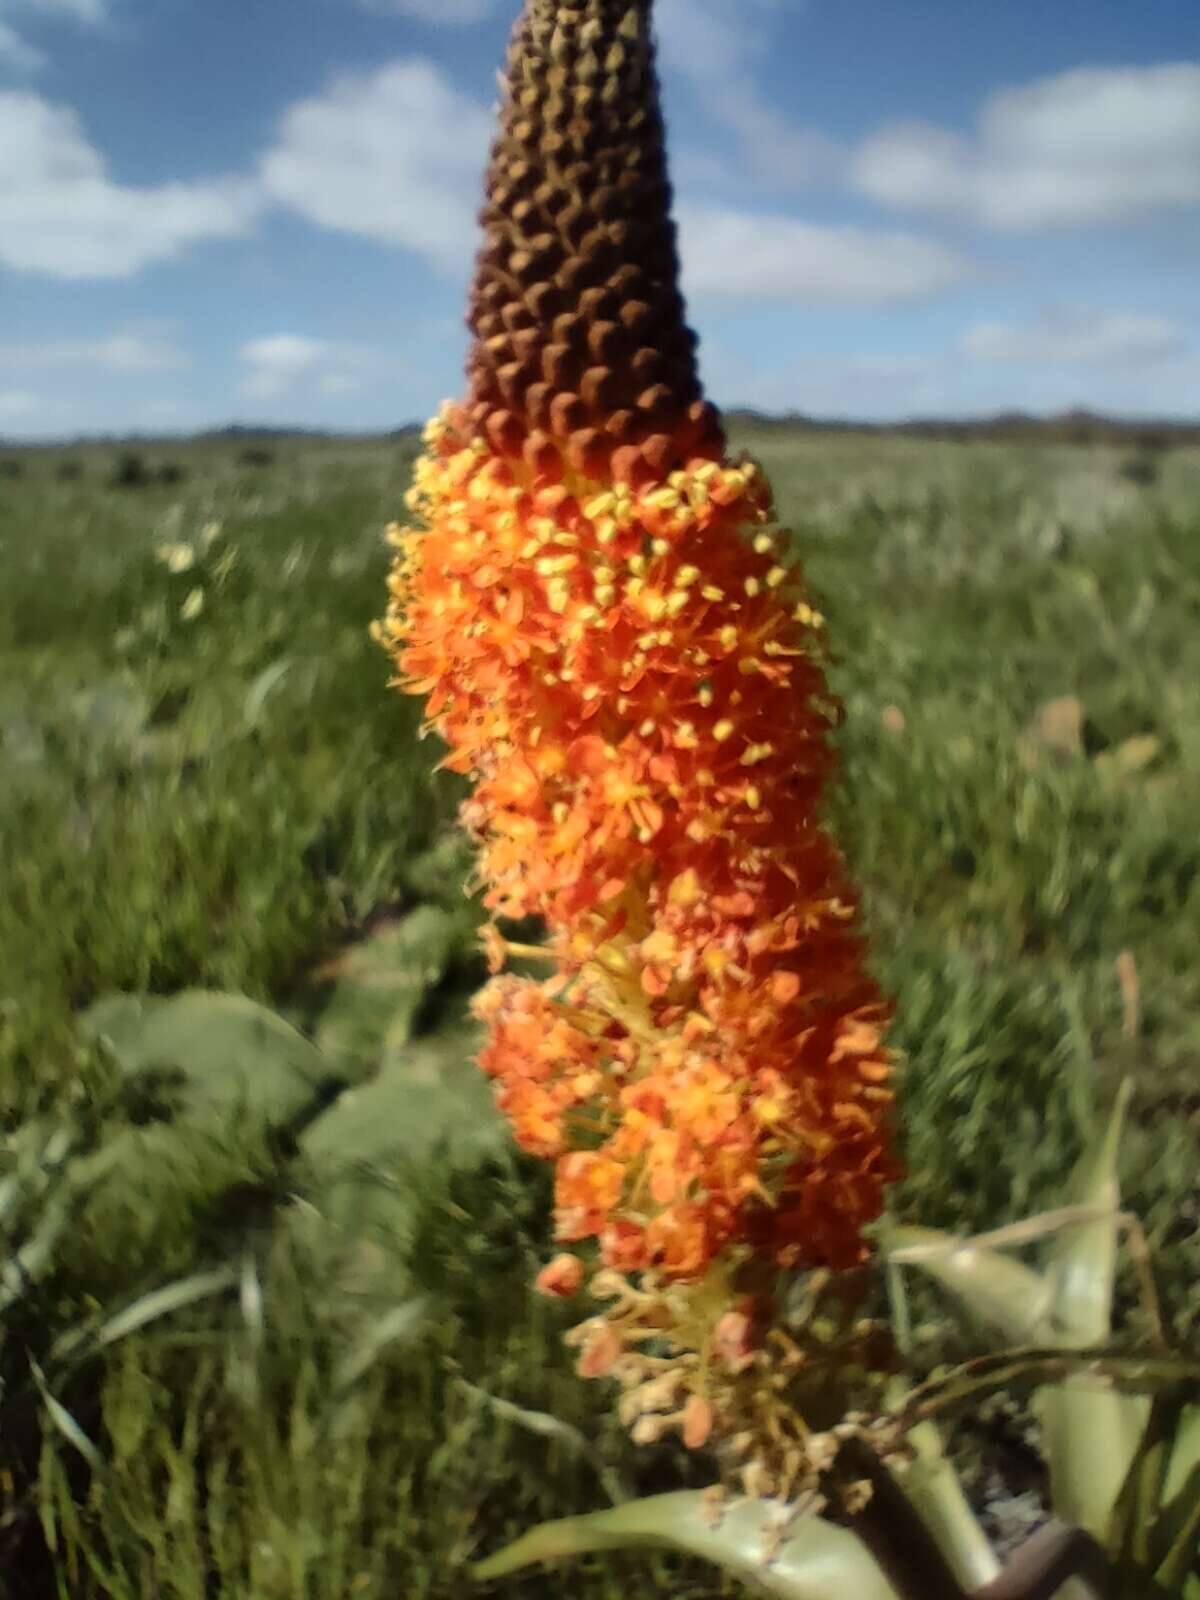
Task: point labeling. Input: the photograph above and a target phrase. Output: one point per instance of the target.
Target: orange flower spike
(616, 651)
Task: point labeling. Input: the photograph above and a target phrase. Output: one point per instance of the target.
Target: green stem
(1039, 1365)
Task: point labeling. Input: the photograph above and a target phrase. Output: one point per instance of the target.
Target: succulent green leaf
(934, 1488)
(1090, 1436)
(428, 1095)
(815, 1560)
(1136, 1513)
(382, 982)
(1179, 1563)
(1185, 1456)
(1082, 1262)
(229, 1052)
(1177, 1532)
(1009, 1297)
(1091, 1433)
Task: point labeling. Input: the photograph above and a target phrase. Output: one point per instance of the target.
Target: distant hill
(241, 432)
(1077, 426)
(1080, 426)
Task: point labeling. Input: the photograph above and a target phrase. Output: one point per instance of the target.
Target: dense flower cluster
(628, 672)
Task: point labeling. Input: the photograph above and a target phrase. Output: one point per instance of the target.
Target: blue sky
(262, 210)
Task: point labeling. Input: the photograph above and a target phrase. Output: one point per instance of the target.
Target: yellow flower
(177, 557)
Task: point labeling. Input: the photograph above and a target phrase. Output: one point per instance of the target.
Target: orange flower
(619, 652)
(561, 1278)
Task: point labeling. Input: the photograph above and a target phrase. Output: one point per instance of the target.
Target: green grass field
(205, 783)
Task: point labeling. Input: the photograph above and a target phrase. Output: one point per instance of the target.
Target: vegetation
(204, 785)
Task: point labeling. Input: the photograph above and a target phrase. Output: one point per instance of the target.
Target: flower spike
(618, 651)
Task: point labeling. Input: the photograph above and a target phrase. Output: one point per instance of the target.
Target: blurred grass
(221, 793)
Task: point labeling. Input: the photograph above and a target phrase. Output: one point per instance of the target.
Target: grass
(204, 783)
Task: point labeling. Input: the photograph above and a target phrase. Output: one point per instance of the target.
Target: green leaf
(1091, 1433)
(147, 1308)
(1136, 1520)
(428, 1092)
(230, 1053)
(439, 873)
(1090, 1436)
(400, 1323)
(238, 1084)
(933, 1487)
(112, 711)
(382, 982)
(1180, 1559)
(260, 690)
(1177, 1532)
(1185, 1457)
(815, 1561)
(65, 1423)
(35, 1257)
(1082, 1263)
(162, 1302)
(1009, 1297)
(428, 1095)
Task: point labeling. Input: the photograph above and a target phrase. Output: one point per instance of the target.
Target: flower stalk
(619, 652)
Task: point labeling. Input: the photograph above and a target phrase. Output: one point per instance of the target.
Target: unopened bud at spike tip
(579, 252)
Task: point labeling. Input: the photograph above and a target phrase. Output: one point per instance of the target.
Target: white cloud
(1091, 146)
(14, 404)
(94, 12)
(395, 155)
(857, 386)
(455, 13)
(292, 366)
(1119, 363)
(716, 45)
(777, 257)
(16, 52)
(1077, 336)
(128, 352)
(63, 215)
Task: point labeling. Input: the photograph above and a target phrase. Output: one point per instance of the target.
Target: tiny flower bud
(561, 1278)
(601, 1351)
(697, 1422)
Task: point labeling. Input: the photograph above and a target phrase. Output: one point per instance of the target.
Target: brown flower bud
(575, 307)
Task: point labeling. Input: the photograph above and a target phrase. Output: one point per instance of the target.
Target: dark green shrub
(130, 472)
(1140, 470)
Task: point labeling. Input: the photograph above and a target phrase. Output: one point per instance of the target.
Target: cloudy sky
(263, 209)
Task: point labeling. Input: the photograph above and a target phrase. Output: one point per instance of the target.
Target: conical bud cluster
(582, 350)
